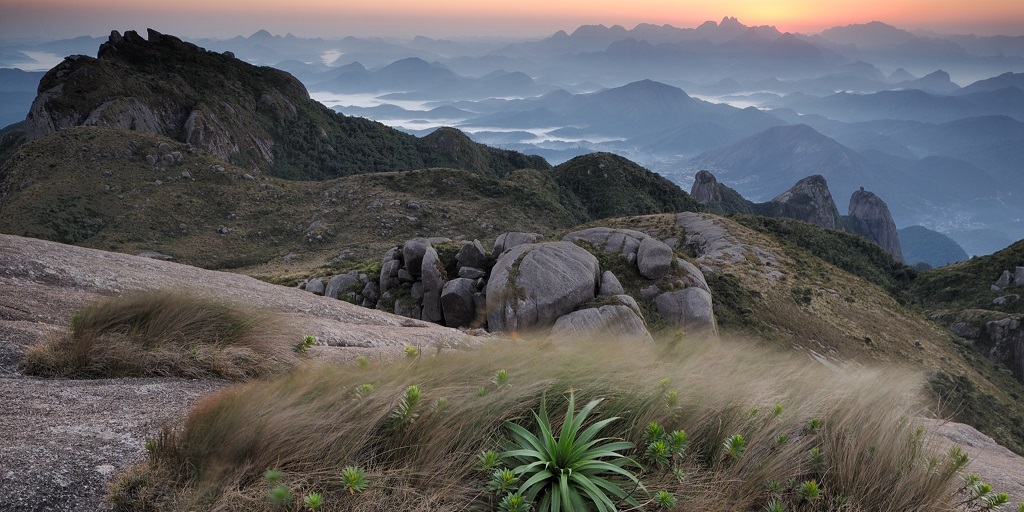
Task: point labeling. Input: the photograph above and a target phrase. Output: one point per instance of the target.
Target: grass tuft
(163, 333)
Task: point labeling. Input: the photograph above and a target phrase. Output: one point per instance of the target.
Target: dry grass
(312, 422)
(165, 333)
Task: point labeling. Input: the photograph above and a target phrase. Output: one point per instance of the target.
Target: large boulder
(433, 275)
(412, 254)
(690, 309)
(1018, 276)
(457, 303)
(342, 284)
(389, 275)
(622, 241)
(472, 254)
(654, 258)
(315, 286)
(610, 284)
(615, 321)
(870, 217)
(532, 285)
(1003, 281)
(506, 241)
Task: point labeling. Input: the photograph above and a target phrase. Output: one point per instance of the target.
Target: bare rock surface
(63, 440)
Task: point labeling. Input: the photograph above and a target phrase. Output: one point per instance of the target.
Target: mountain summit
(259, 118)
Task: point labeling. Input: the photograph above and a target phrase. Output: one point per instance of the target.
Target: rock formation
(869, 216)
(705, 188)
(810, 201)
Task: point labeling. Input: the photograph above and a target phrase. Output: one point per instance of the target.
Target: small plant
(149, 445)
(280, 496)
(813, 426)
(364, 390)
(573, 468)
(781, 439)
(956, 460)
(303, 346)
(439, 404)
(411, 352)
(664, 499)
(775, 411)
(482, 392)
(513, 502)
(671, 399)
(500, 378)
(816, 458)
(272, 476)
(809, 491)
(313, 501)
(405, 412)
(654, 432)
(488, 460)
(678, 474)
(774, 506)
(657, 452)
(353, 478)
(362, 362)
(677, 442)
(502, 481)
(735, 446)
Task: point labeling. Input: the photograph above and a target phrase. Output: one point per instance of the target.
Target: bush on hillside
(164, 333)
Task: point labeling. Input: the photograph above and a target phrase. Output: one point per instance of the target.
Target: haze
(529, 18)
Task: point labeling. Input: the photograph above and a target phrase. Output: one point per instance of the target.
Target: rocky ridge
(809, 200)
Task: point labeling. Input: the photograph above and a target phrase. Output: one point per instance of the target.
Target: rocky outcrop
(506, 241)
(616, 321)
(705, 188)
(810, 201)
(1007, 336)
(1008, 279)
(532, 285)
(610, 284)
(869, 216)
(690, 308)
(654, 258)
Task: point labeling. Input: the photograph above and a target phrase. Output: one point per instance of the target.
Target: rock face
(623, 241)
(705, 188)
(532, 285)
(457, 303)
(433, 282)
(654, 258)
(615, 321)
(690, 309)
(869, 216)
(610, 284)
(506, 241)
(1007, 336)
(810, 201)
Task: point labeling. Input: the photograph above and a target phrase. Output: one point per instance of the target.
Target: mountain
(911, 104)
(256, 117)
(17, 89)
(608, 185)
(1008, 79)
(868, 35)
(922, 245)
(769, 161)
(869, 216)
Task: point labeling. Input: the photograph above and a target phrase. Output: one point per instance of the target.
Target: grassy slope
(827, 311)
(967, 284)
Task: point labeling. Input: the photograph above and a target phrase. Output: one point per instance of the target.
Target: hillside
(204, 212)
(922, 245)
(258, 118)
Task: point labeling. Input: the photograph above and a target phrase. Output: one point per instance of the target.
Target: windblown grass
(165, 333)
(317, 420)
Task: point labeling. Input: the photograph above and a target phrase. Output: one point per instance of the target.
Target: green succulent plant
(573, 469)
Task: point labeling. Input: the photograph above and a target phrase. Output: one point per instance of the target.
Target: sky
(442, 18)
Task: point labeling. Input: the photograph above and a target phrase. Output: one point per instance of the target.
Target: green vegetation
(967, 284)
(164, 334)
(921, 244)
(852, 253)
(721, 449)
(608, 185)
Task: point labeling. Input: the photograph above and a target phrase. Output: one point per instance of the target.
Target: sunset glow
(19, 18)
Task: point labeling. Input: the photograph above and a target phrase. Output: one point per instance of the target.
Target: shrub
(164, 333)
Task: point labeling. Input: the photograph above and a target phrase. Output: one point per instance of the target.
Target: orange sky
(223, 18)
